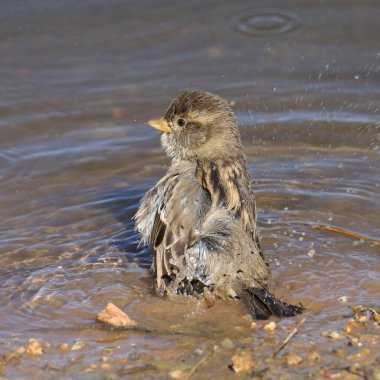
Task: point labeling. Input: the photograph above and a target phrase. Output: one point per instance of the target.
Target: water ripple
(268, 23)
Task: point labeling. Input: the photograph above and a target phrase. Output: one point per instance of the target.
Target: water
(79, 80)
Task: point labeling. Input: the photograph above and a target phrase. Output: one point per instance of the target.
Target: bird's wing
(150, 205)
(167, 218)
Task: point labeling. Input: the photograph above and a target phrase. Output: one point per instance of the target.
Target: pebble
(114, 316)
(78, 345)
(106, 366)
(34, 348)
(271, 326)
(177, 374)
(313, 356)
(292, 359)
(227, 343)
(20, 350)
(340, 374)
(350, 327)
(334, 335)
(216, 348)
(242, 362)
(63, 347)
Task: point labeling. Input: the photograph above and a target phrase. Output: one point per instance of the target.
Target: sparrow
(200, 218)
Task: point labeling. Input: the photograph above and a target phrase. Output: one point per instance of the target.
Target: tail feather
(262, 304)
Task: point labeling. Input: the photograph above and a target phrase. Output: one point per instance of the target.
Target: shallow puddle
(78, 83)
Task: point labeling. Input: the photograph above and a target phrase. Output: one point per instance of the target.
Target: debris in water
(290, 336)
(342, 231)
(343, 299)
(364, 314)
(113, 316)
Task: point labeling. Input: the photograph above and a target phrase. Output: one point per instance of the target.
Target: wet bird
(200, 218)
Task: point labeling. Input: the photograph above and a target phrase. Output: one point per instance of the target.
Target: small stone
(216, 348)
(177, 374)
(242, 362)
(112, 315)
(354, 341)
(253, 325)
(209, 297)
(34, 348)
(350, 327)
(313, 356)
(271, 326)
(334, 374)
(106, 366)
(334, 335)
(20, 350)
(292, 359)
(78, 345)
(227, 343)
(63, 347)
(311, 252)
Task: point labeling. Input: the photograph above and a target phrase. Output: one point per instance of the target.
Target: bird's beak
(160, 124)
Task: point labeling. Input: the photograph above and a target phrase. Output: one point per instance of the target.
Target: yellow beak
(160, 124)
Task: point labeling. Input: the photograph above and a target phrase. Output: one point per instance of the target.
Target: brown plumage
(200, 218)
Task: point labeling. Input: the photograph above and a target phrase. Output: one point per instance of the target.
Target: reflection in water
(78, 83)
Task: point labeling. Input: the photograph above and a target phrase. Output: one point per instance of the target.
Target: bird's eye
(181, 122)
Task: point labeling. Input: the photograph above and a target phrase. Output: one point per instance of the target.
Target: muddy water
(78, 81)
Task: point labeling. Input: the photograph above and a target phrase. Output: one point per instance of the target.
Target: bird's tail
(262, 304)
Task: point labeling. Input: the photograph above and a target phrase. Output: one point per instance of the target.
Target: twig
(345, 232)
(197, 366)
(290, 336)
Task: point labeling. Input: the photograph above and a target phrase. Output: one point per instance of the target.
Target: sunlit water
(78, 81)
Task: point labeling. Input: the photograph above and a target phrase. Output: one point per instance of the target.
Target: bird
(200, 218)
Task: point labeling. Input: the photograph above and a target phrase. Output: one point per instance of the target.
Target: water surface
(79, 80)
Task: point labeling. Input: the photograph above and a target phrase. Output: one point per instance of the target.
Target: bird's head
(199, 125)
